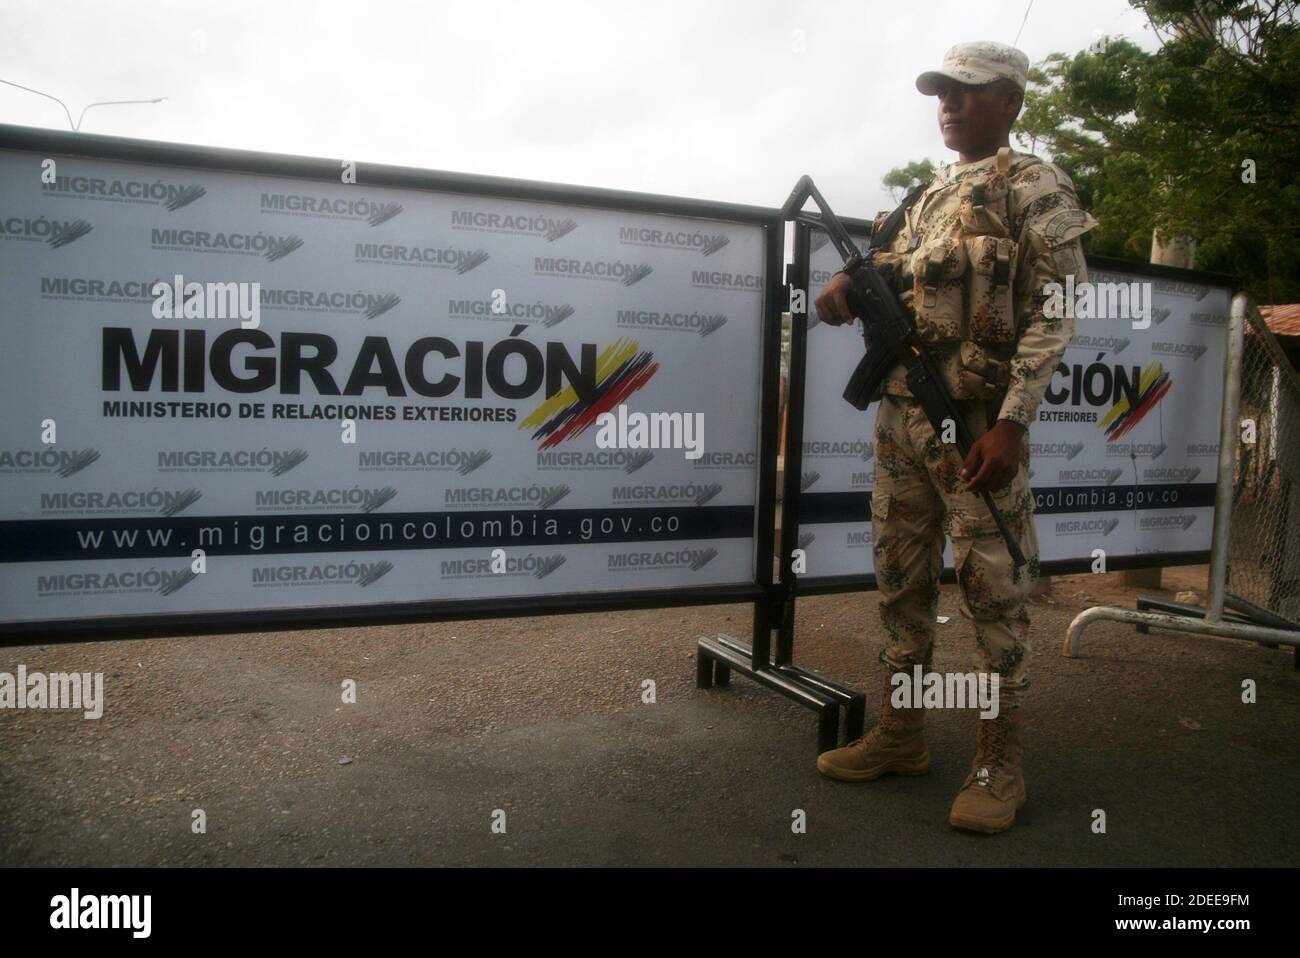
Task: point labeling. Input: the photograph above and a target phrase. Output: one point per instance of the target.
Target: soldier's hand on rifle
(994, 458)
(833, 302)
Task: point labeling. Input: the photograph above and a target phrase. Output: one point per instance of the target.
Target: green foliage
(1158, 141)
(901, 179)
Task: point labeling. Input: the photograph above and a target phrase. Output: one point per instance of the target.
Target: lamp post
(161, 99)
(77, 126)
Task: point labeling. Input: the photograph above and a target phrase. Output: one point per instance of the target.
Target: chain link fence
(1263, 574)
(1254, 580)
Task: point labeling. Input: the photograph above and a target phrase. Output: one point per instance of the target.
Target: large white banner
(472, 342)
(1123, 452)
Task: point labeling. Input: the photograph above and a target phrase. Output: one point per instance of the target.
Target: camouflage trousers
(919, 497)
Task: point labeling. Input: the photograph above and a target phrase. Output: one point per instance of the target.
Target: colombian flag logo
(621, 370)
(1124, 415)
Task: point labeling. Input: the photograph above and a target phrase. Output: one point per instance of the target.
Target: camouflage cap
(977, 63)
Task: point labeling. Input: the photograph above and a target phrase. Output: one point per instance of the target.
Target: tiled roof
(1282, 320)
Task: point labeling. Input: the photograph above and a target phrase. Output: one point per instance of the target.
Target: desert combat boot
(995, 788)
(894, 744)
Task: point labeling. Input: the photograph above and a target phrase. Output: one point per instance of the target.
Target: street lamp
(77, 126)
(161, 99)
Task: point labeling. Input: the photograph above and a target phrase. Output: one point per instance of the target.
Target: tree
(1199, 139)
(902, 179)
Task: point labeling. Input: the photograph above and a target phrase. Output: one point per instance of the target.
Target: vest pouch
(992, 317)
(980, 374)
(983, 205)
(938, 289)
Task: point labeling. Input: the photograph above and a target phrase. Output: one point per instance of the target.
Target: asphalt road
(543, 719)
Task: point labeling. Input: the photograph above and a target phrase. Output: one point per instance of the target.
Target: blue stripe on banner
(52, 540)
(827, 507)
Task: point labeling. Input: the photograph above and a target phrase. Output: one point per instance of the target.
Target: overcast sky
(719, 99)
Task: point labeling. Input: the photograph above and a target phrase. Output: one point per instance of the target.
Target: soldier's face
(974, 120)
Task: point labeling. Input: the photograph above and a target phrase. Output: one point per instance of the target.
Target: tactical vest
(956, 269)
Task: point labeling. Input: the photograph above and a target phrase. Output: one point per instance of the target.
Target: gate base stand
(1175, 621)
(1237, 611)
(715, 658)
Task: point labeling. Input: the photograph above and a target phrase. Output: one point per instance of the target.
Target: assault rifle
(890, 335)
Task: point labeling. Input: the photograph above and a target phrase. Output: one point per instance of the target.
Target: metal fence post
(1229, 433)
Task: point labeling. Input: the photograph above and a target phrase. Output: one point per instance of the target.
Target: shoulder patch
(1060, 227)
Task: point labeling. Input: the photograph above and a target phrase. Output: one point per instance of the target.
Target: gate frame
(1250, 622)
(841, 708)
(776, 669)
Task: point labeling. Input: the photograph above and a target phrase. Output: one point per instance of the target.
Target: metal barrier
(1255, 566)
(841, 708)
(221, 181)
(1254, 582)
(28, 537)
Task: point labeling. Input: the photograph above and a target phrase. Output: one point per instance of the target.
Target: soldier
(970, 261)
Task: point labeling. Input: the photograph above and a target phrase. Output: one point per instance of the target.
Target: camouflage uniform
(996, 351)
(979, 246)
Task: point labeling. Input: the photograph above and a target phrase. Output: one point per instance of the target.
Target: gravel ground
(543, 719)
